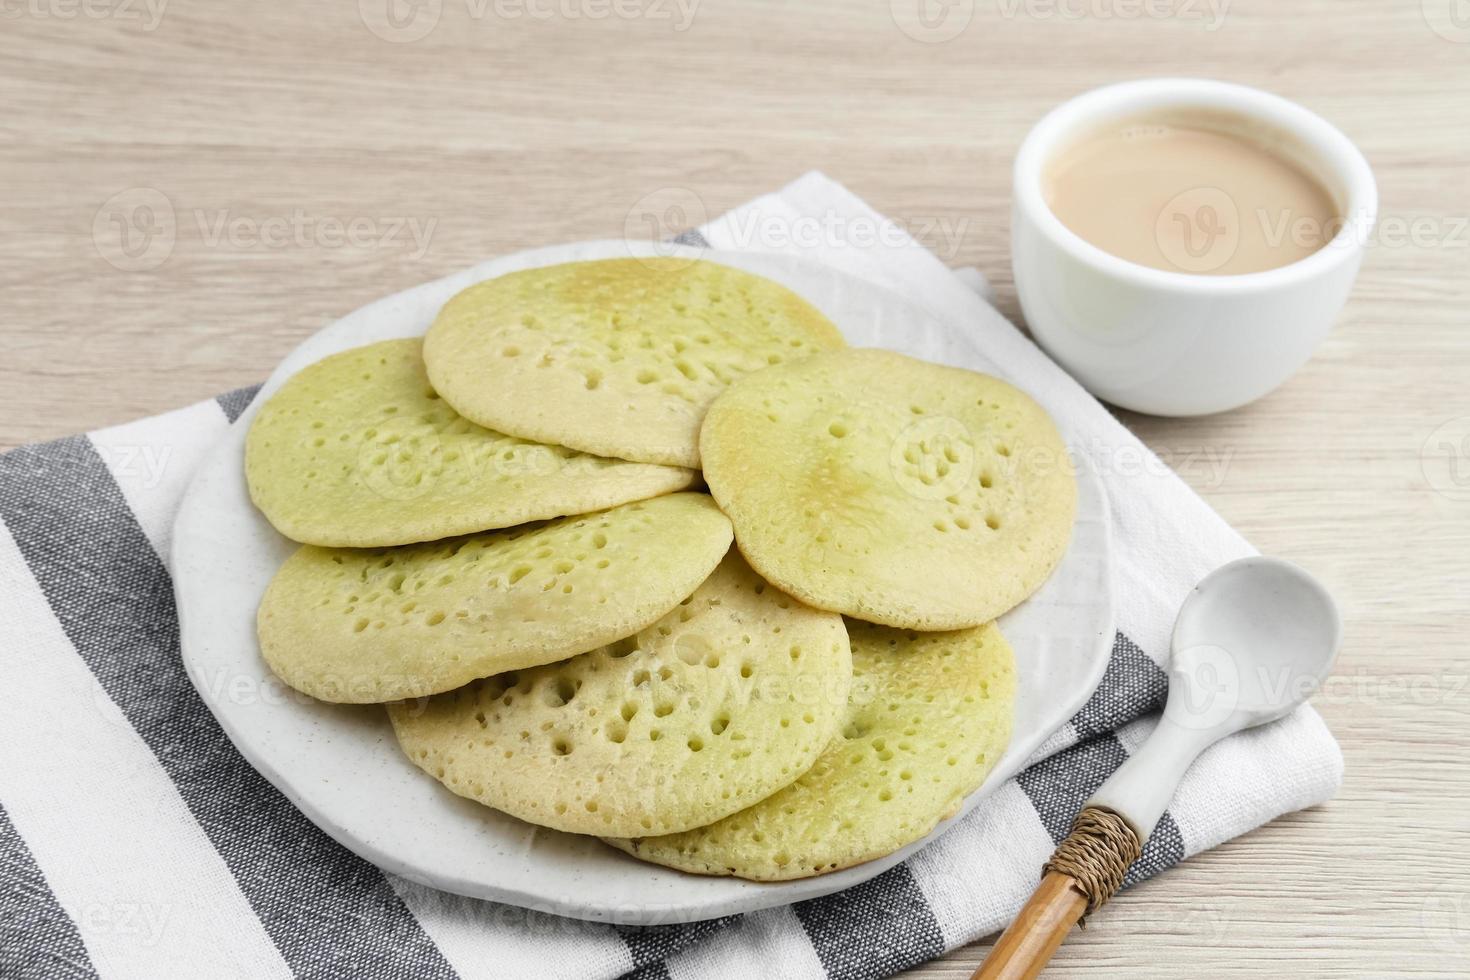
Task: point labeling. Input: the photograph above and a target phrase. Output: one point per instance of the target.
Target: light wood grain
(508, 134)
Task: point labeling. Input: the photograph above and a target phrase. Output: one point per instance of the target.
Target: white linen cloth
(136, 842)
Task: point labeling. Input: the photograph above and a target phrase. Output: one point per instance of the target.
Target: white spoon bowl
(1255, 639)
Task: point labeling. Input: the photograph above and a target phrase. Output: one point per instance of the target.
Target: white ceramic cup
(1184, 343)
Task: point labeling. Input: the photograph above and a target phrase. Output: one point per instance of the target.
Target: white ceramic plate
(341, 766)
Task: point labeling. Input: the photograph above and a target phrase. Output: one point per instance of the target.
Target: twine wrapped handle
(1096, 855)
(1084, 872)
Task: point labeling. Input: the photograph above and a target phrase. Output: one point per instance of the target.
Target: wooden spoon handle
(1083, 873)
(1027, 945)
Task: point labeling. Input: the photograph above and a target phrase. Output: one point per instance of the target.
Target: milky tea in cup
(1190, 195)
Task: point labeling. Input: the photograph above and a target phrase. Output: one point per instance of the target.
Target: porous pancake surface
(355, 625)
(618, 357)
(716, 706)
(359, 451)
(930, 716)
(890, 489)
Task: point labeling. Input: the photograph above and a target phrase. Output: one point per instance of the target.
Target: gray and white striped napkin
(135, 841)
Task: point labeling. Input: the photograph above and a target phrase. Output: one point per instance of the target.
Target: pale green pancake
(357, 450)
(619, 357)
(930, 716)
(890, 489)
(716, 706)
(354, 625)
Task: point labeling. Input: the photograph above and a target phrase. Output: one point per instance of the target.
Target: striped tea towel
(135, 841)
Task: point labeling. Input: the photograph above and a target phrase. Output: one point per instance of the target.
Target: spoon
(1253, 640)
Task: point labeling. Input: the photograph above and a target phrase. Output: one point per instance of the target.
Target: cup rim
(1337, 154)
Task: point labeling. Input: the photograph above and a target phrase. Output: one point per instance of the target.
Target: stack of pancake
(640, 549)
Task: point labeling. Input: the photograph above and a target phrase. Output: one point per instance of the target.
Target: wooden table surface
(285, 153)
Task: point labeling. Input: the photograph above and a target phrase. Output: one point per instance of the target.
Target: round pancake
(716, 706)
(889, 489)
(619, 357)
(351, 625)
(930, 716)
(358, 451)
